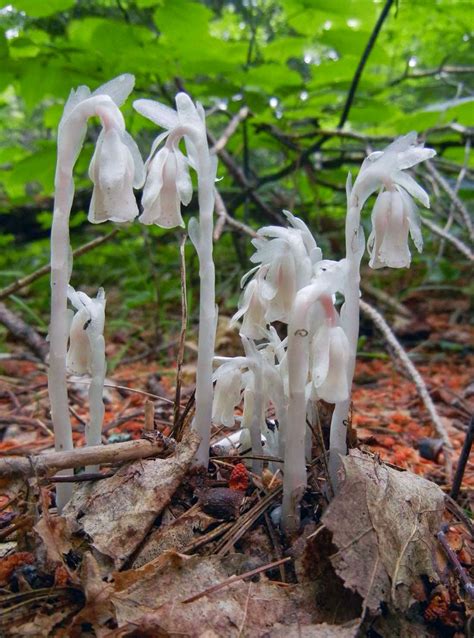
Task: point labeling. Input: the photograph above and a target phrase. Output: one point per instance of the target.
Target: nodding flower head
(168, 184)
(394, 214)
(87, 326)
(227, 392)
(330, 353)
(394, 217)
(116, 167)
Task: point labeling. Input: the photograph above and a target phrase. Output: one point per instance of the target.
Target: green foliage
(291, 61)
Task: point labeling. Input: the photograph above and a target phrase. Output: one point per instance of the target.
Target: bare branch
(461, 246)
(22, 331)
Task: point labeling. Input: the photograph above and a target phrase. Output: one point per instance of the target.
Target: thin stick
(182, 334)
(114, 453)
(149, 415)
(415, 376)
(230, 129)
(455, 241)
(453, 196)
(234, 579)
(463, 459)
(46, 269)
(24, 332)
(125, 387)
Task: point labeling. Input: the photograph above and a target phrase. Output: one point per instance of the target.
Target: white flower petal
(394, 251)
(335, 387)
(409, 184)
(183, 179)
(139, 173)
(160, 114)
(414, 221)
(118, 89)
(414, 155)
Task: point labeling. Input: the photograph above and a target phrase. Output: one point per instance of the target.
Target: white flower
(252, 307)
(115, 169)
(394, 214)
(168, 184)
(393, 217)
(385, 168)
(227, 392)
(330, 353)
(87, 327)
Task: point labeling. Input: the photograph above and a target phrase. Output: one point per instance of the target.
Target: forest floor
(103, 570)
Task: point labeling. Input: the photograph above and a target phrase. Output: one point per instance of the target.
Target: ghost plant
(86, 355)
(167, 186)
(294, 285)
(116, 168)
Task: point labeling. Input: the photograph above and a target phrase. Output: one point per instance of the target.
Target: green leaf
(42, 8)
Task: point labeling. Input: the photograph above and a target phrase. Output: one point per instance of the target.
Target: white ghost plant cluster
(292, 284)
(168, 185)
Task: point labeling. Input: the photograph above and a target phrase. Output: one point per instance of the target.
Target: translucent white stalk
(295, 480)
(201, 236)
(350, 325)
(70, 138)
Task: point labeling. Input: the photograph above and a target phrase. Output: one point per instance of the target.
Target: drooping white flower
(330, 353)
(115, 171)
(87, 327)
(227, 392)
(252, 307)
(116, 167)
(385, 169)
(168, 185)
(394, 217)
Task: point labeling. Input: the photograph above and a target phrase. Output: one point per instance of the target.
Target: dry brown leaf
(55, 534)
(41, 626)
(177, 535)
(117, 513)
(242, 608)
(98, 609)
(383, 522)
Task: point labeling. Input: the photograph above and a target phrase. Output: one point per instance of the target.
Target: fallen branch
(386, 299)
(22, 331)
(115, 453)
(45, 270)
(414, 375)
(230, 129)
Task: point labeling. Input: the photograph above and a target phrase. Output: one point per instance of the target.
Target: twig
(455, 241)
(230, 129)
(415, 376)
(453, 196)
(458, 568)
(22, 331)
(365, 56)
(114, 453)
(245, 522)
(45, 270)
(125, 388)
(234, 579)
(463, 459)
(79, 478)
(182, 334)
(386, 299)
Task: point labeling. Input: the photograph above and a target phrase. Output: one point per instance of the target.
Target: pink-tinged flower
(394, 217)
(330, 354)
(168, 185)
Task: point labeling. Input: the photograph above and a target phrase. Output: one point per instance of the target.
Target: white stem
(58, 329)
(350, 325)
(96, 395)
(258, 419)
(295, 481)
(207, 304)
